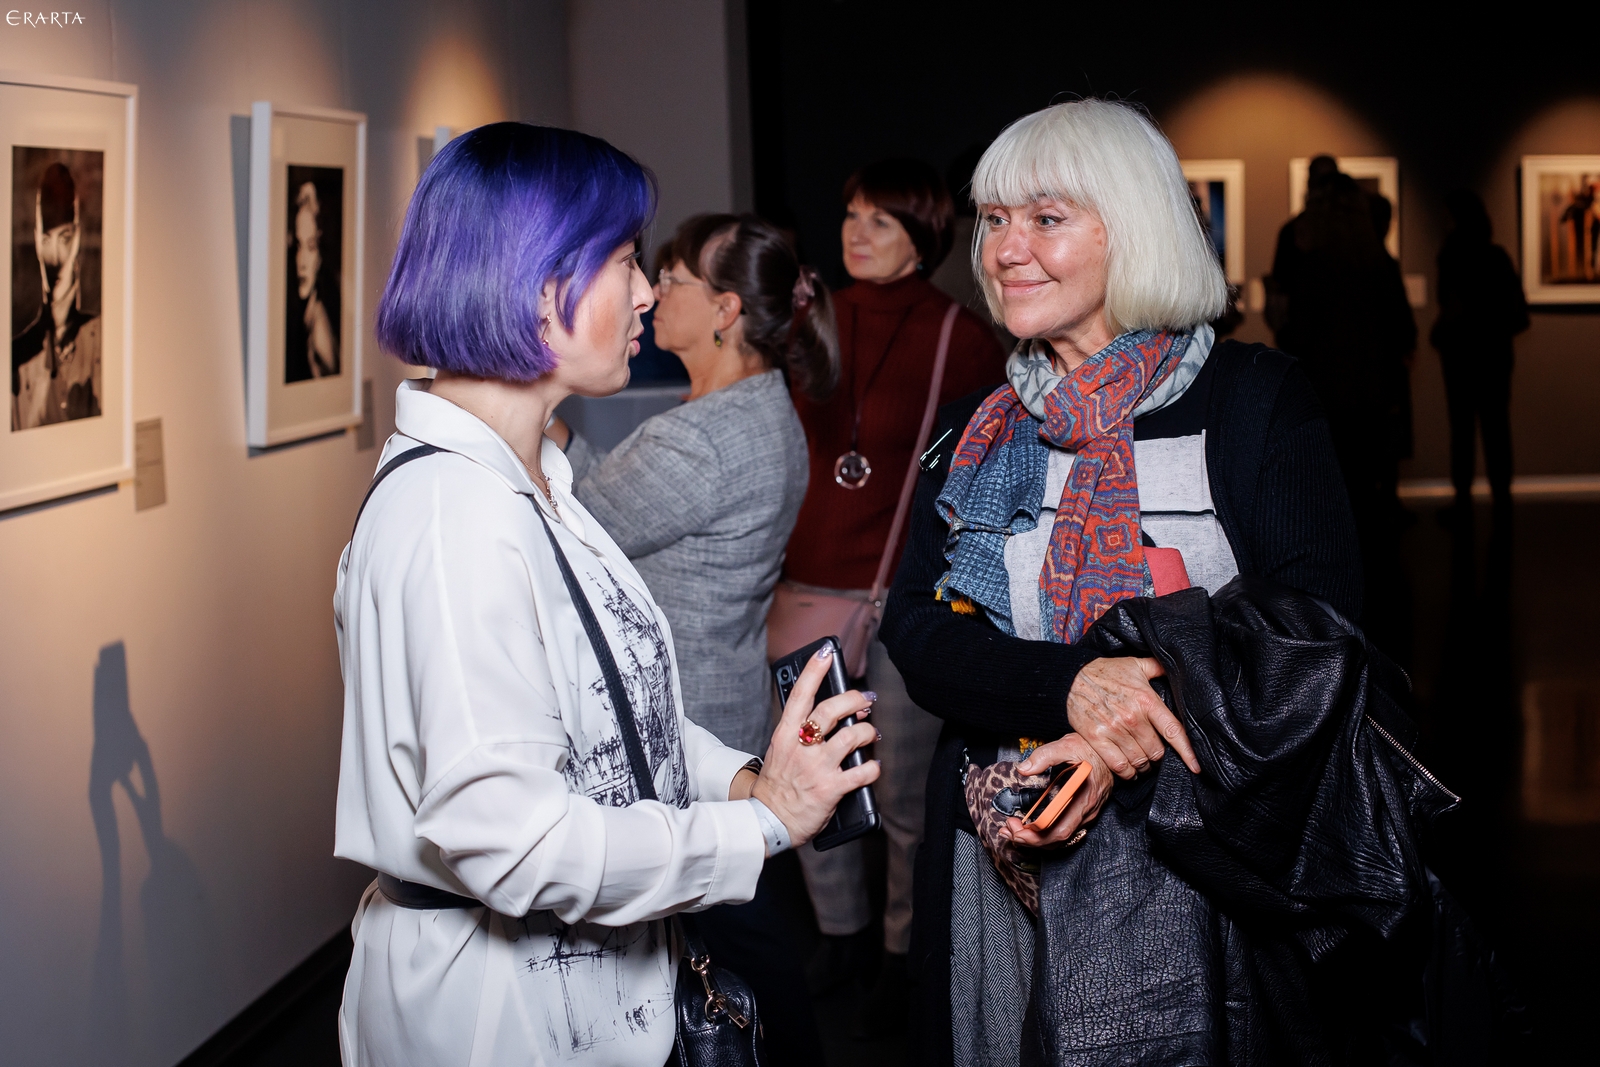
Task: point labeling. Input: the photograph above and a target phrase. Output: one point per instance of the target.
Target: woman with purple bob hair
(522, 881)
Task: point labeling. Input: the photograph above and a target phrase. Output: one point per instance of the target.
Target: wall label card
(149, 466)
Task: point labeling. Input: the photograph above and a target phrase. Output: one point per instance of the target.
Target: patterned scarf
(1095, 557)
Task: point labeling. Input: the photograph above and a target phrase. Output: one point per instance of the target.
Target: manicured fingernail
(825, 652)
(869, 696)
(864, 712)
(879, 733)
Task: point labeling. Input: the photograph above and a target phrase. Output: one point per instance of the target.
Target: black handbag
(717, 1021)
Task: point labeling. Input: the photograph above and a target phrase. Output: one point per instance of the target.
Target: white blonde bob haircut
(1108, 158)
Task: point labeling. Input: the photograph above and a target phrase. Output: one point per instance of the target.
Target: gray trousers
(992, 969)
(836, 879)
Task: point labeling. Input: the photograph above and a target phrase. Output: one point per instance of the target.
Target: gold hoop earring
(716, 338)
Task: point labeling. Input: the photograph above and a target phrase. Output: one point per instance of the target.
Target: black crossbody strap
(693, 945)
(620, 703)
(387, 469)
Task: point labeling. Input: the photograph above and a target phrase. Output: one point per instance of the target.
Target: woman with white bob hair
(1130, 454)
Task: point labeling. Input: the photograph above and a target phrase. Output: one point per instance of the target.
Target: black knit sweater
(1281, 502)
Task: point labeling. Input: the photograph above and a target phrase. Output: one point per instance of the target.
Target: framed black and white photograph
(1217, 186)
(66, 158)
(1375, 174)
(1561, 229)
(307, 184)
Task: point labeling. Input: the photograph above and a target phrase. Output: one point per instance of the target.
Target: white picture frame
(299, 384)
(1374, 173)
(1560, 225)
(1218, 186)
(69, 428)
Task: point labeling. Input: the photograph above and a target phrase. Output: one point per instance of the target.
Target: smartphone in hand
(1065, 781)
(857, 813)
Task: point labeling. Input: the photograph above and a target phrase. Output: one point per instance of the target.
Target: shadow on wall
(178, 932)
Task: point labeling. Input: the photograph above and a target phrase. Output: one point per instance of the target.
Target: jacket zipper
(1409, 758)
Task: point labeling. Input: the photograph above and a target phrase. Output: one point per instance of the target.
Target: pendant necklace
(535, 478)
(852, 469)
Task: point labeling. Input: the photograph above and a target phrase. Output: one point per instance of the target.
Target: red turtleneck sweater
(893, 329)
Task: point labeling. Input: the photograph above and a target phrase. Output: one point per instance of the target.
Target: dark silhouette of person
(954, 274)
(1481, 308)
(1339, 305)
(1397, 395)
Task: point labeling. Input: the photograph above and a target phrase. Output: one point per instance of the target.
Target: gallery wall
(171, 703)
(1458, 101)
(666, 83)
(174, 670)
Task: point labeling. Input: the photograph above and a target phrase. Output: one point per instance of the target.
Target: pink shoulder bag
(801, 615)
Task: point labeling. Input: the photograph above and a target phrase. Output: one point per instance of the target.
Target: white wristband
(772, 828)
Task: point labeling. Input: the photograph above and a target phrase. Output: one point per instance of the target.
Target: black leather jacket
(1274, 908)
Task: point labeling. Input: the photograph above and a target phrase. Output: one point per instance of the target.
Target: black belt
(422, 897)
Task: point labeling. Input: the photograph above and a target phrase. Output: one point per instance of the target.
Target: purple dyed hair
(501, 211)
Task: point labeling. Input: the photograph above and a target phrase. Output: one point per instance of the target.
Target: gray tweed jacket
(703, 498)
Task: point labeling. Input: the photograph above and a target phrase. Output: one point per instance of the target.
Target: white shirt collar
(436, 421)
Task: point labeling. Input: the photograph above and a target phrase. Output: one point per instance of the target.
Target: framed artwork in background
(1375, 174)
(1217, 186)
(1560, 229)
(307, 201)
(67, 161)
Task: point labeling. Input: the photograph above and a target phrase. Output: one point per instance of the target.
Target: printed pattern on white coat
(481, 756)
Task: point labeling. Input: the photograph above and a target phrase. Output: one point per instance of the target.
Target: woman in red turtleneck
(897, 228)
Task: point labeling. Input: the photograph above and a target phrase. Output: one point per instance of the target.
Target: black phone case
(857, 813)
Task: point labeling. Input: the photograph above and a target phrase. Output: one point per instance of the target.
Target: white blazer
(481, 756)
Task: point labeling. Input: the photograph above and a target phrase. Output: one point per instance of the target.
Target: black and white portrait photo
(311, 339)
(56, 219)
(303, 345)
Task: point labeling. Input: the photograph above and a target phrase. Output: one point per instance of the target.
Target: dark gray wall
(835, 85)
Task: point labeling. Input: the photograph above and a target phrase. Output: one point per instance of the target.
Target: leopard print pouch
(995, 793)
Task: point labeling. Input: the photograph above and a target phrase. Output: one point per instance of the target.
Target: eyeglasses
(666, 281)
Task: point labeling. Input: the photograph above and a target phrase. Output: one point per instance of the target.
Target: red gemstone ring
(810, 733)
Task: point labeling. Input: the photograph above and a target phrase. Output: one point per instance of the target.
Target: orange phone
(1055, 798)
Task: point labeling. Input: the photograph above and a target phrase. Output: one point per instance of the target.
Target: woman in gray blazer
(703, 499)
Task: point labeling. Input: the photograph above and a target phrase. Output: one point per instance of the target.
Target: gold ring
(810, 733)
